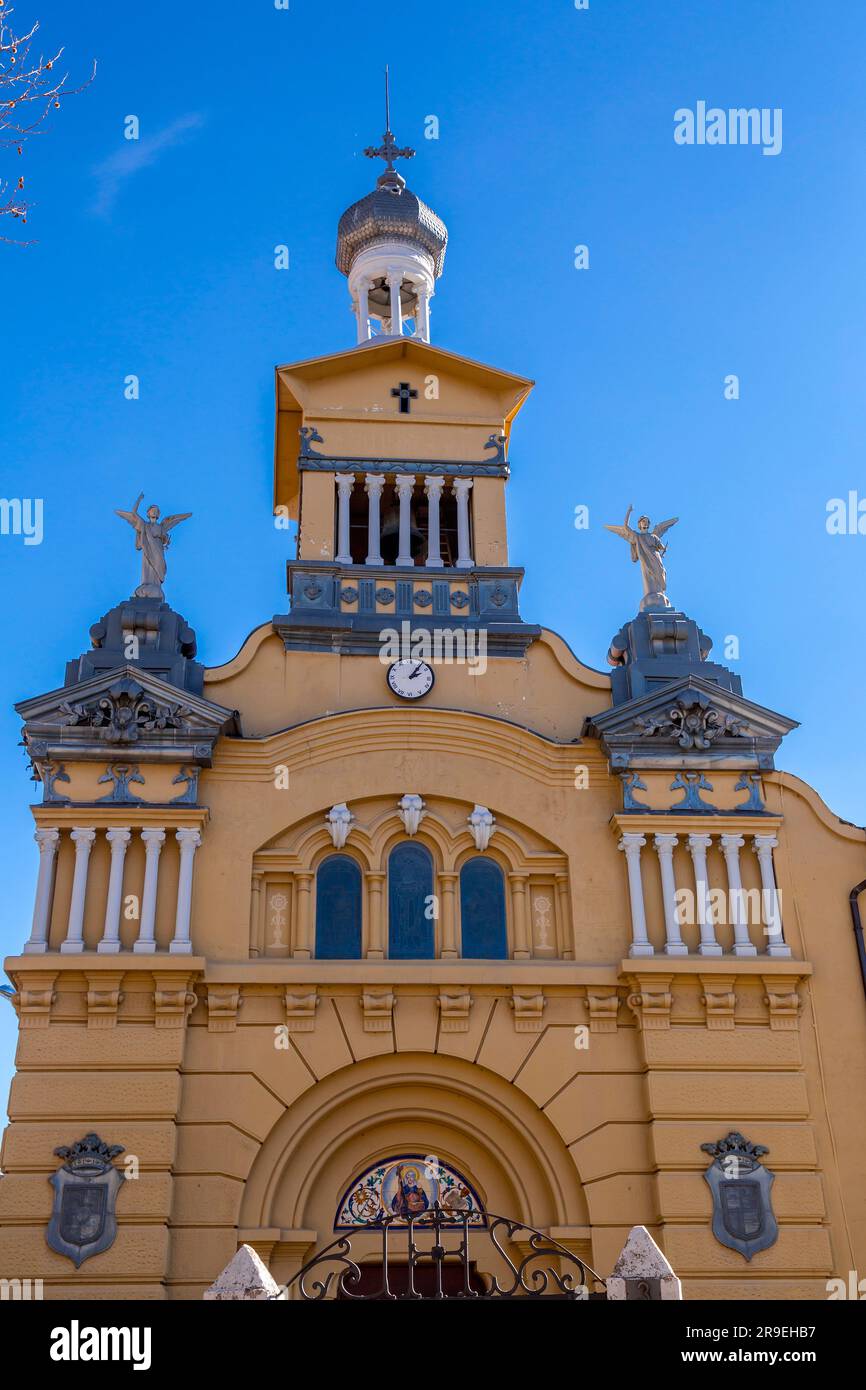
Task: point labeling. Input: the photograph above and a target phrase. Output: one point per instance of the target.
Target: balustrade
(767, 915)
(118, 839)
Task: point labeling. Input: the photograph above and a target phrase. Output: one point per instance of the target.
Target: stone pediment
(124, 711)
(690, 722)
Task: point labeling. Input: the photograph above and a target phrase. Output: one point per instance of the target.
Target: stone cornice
(138, 814)
(672, 966)
(694, 823)
(336, 737)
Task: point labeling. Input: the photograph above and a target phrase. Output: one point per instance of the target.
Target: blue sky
(556, 129)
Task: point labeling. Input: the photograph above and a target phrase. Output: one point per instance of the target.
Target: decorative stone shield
(743, 1216)
(85, 1191)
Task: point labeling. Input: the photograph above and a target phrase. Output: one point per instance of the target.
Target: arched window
(338, 909)
(482, 910)
(410, 898)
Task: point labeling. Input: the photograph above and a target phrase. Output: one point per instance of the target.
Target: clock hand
(413, 674)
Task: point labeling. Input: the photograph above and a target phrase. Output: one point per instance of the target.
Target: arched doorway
(440, 1106)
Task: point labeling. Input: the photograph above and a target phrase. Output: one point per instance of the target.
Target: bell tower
(391, 247)
(392, 456)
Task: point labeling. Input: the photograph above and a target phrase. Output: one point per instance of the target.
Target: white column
(373, 486)
(153, 841)
(423, 313)
(698, 846)
(665, 846)
(188, 841)
(763, 845)
(345, 483)
(363, 310)
(395, 281)
(83, 840)
(118, 839)
(405, 488)
(462, 487)
(731, 846)
(632, 844)
(47, 840)
(433, 488)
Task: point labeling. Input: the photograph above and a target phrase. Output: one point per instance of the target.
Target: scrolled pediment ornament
(123, 713)
(692, 721)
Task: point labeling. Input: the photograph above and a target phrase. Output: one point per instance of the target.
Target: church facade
(405, 904)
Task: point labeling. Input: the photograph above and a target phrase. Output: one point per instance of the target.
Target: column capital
(188, 838)
(731, 844)
(463, 485)
(764, 844)
(82, 835)
(118, 837)
(405, 483)
(345, 481)
(373, 483)
(665, 844)
(632, 841)
(153, 837)
(699, 842)
(433, 484)
(47, 839)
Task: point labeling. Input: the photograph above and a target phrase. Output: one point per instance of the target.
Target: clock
(410, 679)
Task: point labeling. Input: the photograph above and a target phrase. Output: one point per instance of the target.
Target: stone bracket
(528, 1006)
(104, 997)
(301, 1010)
(719, 999)
(222, 1006)
(454, 1006)
(603, 1007)
(378, 1007)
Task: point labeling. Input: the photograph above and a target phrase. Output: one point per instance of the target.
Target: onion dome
(391, 213)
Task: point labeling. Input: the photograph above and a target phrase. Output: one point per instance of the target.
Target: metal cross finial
(389, 149)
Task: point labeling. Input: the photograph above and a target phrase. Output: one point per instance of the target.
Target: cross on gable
(406, 395)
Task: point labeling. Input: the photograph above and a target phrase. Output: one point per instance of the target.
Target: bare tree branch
(29, 90)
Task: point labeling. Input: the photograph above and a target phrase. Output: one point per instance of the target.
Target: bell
(391, 535)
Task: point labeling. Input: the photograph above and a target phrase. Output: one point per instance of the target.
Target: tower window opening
(358, 515)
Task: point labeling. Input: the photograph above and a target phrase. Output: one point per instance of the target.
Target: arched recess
(338, 908)
(445, 1106)
(483, 929)
(410, 894)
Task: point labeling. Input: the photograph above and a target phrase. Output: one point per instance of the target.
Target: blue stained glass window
(482, 910)
(338, 909)
(410, 893)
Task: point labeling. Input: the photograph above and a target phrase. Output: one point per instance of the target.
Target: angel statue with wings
(647, 549)
(151, 538)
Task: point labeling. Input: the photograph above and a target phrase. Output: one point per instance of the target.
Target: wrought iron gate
(444, 1265)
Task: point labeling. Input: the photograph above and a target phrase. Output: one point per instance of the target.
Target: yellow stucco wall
(252, 1082)
(237, 1136)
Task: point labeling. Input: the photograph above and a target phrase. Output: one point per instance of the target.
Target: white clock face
(410, 679)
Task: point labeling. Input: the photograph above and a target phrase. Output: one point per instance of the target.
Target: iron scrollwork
(542, 1268)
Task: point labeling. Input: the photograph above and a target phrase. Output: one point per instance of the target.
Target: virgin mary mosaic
(406, 1187)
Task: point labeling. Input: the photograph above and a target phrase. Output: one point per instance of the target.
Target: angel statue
(151, 538)
(647, 549)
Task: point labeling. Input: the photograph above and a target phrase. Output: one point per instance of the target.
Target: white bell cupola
(391, 248)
